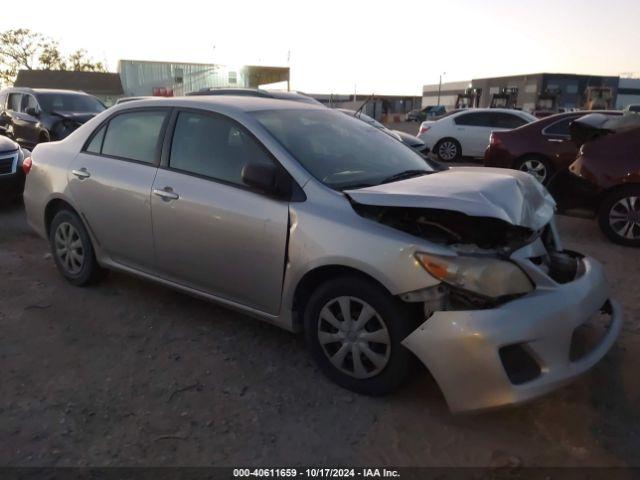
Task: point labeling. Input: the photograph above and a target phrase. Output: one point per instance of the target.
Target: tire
(619, 216)
(390, 322)
(448, 150)
(538, 166)
(72, 250)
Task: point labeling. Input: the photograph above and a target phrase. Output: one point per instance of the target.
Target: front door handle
(166, 193)
(81, 174)
(555, 140)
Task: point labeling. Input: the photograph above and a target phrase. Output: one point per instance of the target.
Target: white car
(466, 132)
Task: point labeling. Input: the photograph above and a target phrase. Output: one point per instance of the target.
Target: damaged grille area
(449, 227)
(590, 334)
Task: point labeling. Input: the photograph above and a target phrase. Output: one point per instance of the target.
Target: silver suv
(317, 222)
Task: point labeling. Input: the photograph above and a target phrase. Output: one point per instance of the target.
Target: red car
(540, 148)
(605, 178)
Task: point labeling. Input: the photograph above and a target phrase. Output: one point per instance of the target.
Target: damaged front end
(449, 227)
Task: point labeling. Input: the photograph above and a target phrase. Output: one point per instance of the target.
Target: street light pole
(440, 86)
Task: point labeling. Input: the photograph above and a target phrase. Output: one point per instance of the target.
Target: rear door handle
(166, 193)
(81, 174)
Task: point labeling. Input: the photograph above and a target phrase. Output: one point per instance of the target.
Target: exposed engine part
(563, 267)
(433, 298)
(449, 227)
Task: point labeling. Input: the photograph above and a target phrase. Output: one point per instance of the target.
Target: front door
(111, 180)
(211, 232)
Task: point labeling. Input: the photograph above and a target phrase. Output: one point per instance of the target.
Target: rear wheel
(448, 150)
(354, 328)
(537, 166)
(72, 250)
(619, 216)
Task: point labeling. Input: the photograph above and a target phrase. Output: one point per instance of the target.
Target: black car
(34, 115)
(11, 169)
(257, 92)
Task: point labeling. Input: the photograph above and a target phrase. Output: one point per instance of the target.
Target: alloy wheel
(447, 150)
(353, 337)
(535, 168)
(624, 218)
(69, 249)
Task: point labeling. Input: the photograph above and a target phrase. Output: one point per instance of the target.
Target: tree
(17, 50)
(50, 57)
(80, 62)
(24, 49)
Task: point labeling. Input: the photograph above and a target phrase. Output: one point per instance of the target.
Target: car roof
(45, 90)
(256, 92)
(238, 103)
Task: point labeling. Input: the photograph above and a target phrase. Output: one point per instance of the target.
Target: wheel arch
(54, 206)
(315, 277)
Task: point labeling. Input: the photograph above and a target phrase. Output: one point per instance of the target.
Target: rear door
(559, 145)
(213, 233)
(473, 130)
(111, 181)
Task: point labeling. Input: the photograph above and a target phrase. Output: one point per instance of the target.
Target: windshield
(340, 151)
(69, 102)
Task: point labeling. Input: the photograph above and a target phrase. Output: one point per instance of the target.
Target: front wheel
(72, 250)
(354, 329)
(619, 216)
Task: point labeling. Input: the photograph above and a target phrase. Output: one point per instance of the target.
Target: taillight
(494, 140)
(423, 129)
(26, 165)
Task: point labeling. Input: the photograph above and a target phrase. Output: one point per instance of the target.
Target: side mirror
(33, 111)
(268, 178)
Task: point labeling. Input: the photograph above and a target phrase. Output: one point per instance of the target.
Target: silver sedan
(322, 224)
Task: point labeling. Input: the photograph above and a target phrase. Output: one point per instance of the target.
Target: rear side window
(474, 119)
(15, 99)
(134, 136)
(561, 127)
(506, 120)
(213, 146)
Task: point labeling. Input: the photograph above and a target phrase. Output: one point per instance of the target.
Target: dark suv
(31, 116)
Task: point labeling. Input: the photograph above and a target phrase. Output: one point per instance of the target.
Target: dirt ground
(131, 373)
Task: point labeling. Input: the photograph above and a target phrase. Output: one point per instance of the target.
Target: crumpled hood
(510, 195)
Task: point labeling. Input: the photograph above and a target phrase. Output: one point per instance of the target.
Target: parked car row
(466, 132)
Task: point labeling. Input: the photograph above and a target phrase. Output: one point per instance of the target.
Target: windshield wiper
(405, 174)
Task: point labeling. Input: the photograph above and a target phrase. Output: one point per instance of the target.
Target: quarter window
(561, 127)
(134, 136)
(95, 145)
(213, 146)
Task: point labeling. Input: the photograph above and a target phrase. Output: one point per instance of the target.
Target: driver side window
(213, 146)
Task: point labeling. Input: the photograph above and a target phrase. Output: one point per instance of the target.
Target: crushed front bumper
(462, 348)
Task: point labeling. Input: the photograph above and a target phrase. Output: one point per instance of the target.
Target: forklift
(469, 99)
(505, 98)
(598, 98)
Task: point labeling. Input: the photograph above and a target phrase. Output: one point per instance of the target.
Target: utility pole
(440, 86)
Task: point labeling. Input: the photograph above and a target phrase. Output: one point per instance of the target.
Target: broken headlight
(485, 276)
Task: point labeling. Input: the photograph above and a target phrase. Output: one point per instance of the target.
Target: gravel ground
(131, 373)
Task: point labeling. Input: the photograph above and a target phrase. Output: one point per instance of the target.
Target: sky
(382, 47)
